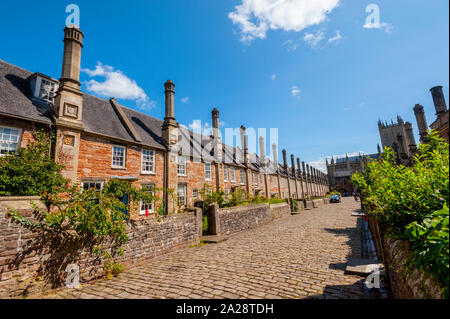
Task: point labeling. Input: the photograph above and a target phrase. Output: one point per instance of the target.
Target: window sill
(118, 168)
(148, 173)
(182, 175)
(150, 212)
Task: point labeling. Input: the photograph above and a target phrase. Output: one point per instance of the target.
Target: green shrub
(31, 171)
(411, 202)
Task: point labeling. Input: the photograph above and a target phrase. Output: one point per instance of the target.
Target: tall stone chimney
(68, 107)
(421, 121)
(293, 165)
(69, 98)
(439, 100)
(299, 167)
(218, 149)
(275, 157)
(244, 144)
(170, 125)
(262, 151)
(285, 163)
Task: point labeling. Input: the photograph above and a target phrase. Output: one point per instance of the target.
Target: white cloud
(185, 99)
(295, 91)
(291, 45)
(337, 37)
(118, 85)
(347, 109)
(377, 25)
(273, 77)
(313, 39)
(256, 17)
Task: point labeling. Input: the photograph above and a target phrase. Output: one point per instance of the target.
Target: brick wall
(30, 263)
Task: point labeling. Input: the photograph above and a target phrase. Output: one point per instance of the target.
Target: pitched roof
(15, 96)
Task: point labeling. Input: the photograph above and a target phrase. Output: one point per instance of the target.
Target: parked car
(335, 199)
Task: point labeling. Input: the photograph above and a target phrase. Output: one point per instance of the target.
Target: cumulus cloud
(291, 45)
(295, 91)
(337, 37)
(185, 99)
(313, 39)
(256, 17)
(116, 84)
(203, 128)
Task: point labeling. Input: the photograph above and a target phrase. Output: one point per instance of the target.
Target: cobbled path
(301, 256)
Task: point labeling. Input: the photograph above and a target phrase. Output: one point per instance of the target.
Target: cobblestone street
(302, 256)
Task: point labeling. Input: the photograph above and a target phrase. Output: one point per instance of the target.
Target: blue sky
(308, 68)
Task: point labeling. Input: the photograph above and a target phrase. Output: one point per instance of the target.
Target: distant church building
(399, 137)
(340, 171)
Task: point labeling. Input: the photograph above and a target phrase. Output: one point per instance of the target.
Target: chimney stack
(410, 137)
(421, 121)
(439, 100)
(170, 101)
(299, 167)
(73, 43)
(215, 119)
(217, 143)
(262, 150)
(244, 144)
(293, 165)
(275, 156)
(285, 164)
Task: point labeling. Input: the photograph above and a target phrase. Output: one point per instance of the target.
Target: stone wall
(240, 218)
(31, 263)
(406, 281)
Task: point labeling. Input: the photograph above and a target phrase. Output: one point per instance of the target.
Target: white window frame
(102, 184)
(184, 186)
(242, 177)
(183, 164)
(152, 205)
(151, 161)
(124, 157)
(206, 171)
(19, 138)
(225, 174)
(195, 194)
(233, 174)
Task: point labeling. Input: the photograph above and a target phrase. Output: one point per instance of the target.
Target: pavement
(301, 256)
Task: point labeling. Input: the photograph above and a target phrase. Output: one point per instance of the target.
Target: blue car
(335, 199)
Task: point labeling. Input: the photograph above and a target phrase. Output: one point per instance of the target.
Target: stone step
(362, 267)
(213, 239)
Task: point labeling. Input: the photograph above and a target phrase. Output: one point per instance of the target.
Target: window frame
(225, 174)
(124, 157)
(184, 186)
(19, 138)
(141, 203)
(153, 162)
(233, 174)
(101, 182)
(184, 158)
(208, 164)
(241, 177)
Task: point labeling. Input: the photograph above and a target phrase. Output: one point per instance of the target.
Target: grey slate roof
(99, 117)
(15, 95)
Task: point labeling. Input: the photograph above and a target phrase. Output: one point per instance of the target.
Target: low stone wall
(31, 263)
(317, 203)
(237, 219)
(406, 281)
(280, 210)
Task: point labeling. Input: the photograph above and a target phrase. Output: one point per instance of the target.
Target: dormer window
(43, 87)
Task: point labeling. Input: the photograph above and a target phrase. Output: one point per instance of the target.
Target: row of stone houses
(98, 140)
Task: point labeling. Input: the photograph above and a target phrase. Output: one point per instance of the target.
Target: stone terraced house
(98, 140)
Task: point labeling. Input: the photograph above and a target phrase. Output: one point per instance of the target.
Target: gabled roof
(16, 96)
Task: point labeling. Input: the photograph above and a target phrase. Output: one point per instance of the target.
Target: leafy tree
(31, 171)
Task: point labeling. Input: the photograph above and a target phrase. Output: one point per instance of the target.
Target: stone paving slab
(301, 256)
